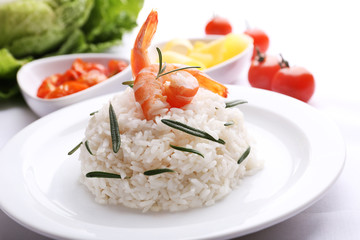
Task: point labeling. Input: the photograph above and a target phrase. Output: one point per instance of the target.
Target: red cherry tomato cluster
(80, 76)
(268, 71)
(271, 73)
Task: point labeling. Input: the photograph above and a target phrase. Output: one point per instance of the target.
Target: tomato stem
(283, 63)
(259, 55)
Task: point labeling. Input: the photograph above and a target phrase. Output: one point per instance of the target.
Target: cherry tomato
(295, 82)
(66, 88)
(96, 66)
(92, 77)
(116, 66)
(80, 76)
(262, 70)
(219, 26)
(261, 39)
(82, 67)
(69, 75)
(78, 66)
(48, 85)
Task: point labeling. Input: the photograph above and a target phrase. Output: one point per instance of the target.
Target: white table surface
(322, 36)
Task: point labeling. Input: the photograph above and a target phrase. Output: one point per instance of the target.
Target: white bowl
(229, 71)
(31, 75)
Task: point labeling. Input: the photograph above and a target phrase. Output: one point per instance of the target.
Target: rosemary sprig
(178, 69)
(190, 130)
(244, 155)
(75, 148)
(99, 174)
(229, 123)
(234, 103)
(114, 128)
(157, 171)
(128, 83)
(187, 150)
(87, 147)
(162, 68)
(93, 113)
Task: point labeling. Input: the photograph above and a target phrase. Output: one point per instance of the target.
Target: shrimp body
(172, 90)
(175, 89)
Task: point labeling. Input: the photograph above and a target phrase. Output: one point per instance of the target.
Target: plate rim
(278, 98)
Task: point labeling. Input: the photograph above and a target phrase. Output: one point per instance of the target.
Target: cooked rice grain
(145, 145)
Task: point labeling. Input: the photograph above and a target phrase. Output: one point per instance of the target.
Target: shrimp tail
(206, 82)
(139, 54)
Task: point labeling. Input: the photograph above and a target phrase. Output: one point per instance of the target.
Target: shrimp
(175, 89)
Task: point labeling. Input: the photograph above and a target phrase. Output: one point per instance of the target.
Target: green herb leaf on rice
(229, 123)
(190, 150)
(114, 129)
(190, 130)
(244, 155)
(157, 171)
(87, 147)
(234, 103)
(99, 174)
(128, 83)
(75, 148)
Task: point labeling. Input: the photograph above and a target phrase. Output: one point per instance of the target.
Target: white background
(322, 36)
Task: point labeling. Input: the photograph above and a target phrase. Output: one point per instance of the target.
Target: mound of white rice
(145, 145)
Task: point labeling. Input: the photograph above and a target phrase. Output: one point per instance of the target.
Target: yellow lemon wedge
(205, 53)
(179, 45)
(198, 44)
(206, 58)
(235, 44)
(175, 57)
(215, 48)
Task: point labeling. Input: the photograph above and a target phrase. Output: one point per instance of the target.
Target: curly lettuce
(32, 29)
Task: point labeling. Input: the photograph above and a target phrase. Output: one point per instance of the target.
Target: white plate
(303, 150)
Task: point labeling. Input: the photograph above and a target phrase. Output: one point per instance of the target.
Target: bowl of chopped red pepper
(52, 83)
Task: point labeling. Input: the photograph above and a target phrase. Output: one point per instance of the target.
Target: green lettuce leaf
(8, 69)
(105, 22)
(37, 27)
(32, 29)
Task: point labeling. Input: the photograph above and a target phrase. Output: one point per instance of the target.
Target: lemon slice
(179, 45)
(205, 58)
(175, 57)
(235, 44)
(198, 45)
(215, 48)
